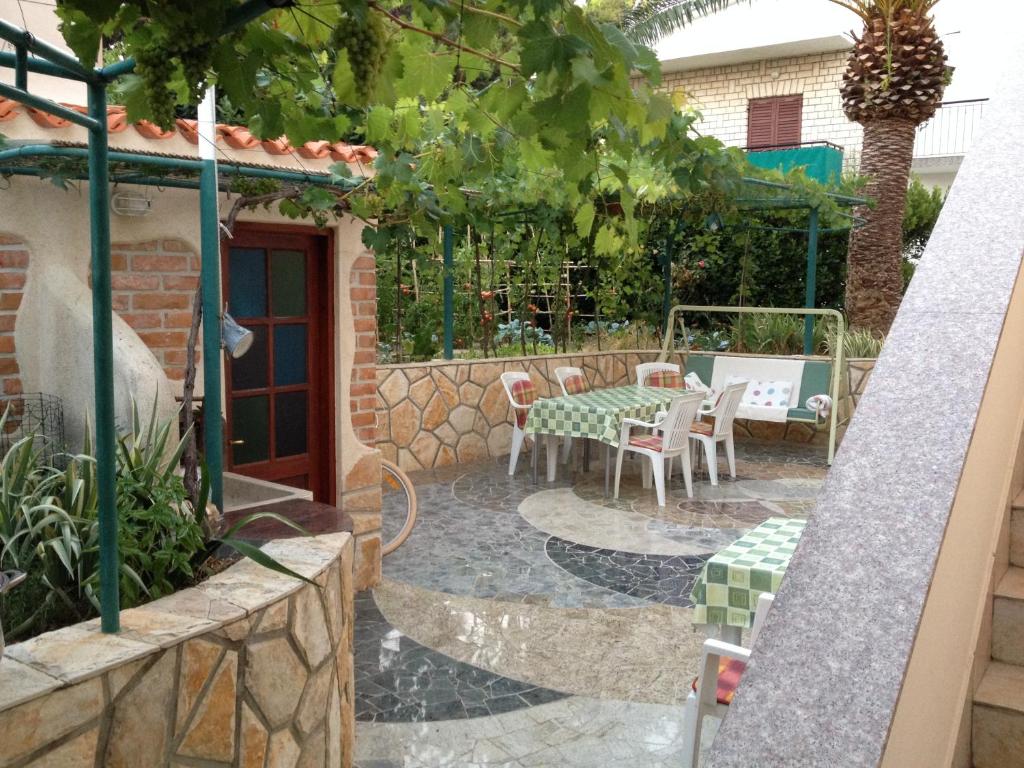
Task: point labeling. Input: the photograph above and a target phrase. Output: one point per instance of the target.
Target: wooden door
(277, 283)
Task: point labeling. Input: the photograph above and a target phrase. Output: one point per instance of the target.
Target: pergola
(785, 197)
(205, 175)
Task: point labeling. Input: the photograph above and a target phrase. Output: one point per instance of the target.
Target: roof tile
(235, 136)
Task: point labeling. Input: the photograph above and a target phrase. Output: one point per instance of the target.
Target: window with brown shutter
(774, 121)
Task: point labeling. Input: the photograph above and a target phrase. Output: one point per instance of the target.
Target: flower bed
(249, 666)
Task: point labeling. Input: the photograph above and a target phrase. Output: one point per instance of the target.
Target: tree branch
(441, 38)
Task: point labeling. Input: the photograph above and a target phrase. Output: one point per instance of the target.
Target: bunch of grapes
(156, 65)
(366, 42)
(156, 70)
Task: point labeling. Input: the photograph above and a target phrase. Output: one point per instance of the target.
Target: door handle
(236, 442)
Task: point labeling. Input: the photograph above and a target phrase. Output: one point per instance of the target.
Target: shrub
(49, 528)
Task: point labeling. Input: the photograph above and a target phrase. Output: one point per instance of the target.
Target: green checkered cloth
(727, 589)
(597, 414)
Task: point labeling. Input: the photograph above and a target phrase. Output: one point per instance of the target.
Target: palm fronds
(651, 20)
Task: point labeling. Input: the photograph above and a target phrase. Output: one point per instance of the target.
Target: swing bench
(783, 388)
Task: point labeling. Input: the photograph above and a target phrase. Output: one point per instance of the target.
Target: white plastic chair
(643, 370)
(704, 700)
(562, 374)
(662, 448)
(710, 435)
(518, 435)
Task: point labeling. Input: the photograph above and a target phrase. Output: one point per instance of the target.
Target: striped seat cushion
(729, 673)
(523, 393)
(650, 442)
(665, 379)
(576, 384)
(703, 428)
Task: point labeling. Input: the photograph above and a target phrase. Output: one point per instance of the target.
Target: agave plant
(49, 526)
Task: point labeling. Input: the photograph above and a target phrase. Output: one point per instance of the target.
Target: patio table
(595, 415)
(727, 589)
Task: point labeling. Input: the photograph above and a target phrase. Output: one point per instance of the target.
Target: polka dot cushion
(768, 393)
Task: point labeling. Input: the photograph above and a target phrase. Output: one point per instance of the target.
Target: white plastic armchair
(518, 435)
(643, 370)
(711, 434)
(705, 697)
(661, 449)
(564, 373)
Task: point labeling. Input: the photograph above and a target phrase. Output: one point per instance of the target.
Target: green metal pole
(209, 240)
(812, 270)
(666, 274)
(213, 435)
(449, 294)
(21, 68)
(103, 360)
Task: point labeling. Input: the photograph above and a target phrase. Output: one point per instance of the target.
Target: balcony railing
(951, 131)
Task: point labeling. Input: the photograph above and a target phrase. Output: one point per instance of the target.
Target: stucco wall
(248, 669)
(53, 330)
(446, 412)
(721, 95)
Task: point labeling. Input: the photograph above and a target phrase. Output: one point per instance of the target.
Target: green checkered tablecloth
(597, 414)
(727, 589)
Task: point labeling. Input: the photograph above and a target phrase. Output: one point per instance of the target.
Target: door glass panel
(288, 280)
(290, 419)
(247, 276)
(289, 355)
(250, 370)
(250, 424)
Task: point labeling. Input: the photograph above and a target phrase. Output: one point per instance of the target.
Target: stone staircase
(998, 726)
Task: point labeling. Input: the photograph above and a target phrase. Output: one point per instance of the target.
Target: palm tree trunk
(874, 280)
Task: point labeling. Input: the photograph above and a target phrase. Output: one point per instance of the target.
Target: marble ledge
(82, 651)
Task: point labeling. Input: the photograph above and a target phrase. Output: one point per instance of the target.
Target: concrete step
(1008, 618)
(998, 727)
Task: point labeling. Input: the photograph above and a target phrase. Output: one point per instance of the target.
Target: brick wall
(13, 266)
(363, 394)
(721, 95)
(153, 284)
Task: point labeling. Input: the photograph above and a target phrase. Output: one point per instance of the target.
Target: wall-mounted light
(131, 203)
(235, 339)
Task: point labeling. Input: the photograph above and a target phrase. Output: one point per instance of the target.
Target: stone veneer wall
(248, 669)
(13, 266)
(445, 412)
(721, 95)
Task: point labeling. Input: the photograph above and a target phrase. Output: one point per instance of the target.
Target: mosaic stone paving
(400, 681)
(496, 571)
(659, 578)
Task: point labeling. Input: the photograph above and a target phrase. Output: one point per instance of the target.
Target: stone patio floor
(547, 625)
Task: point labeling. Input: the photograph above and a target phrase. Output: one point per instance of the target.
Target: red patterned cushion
(523, 393)
(729, 673)
(665, 379)
(703, 428)
(651, 442)
(576, 384)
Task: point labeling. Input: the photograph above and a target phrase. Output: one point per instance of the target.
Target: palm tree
(894, 81)
(648, 21)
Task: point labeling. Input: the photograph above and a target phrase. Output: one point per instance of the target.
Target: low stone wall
(250, 668)
(452, 411)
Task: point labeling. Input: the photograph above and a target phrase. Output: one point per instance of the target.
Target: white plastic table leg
(552, 455)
